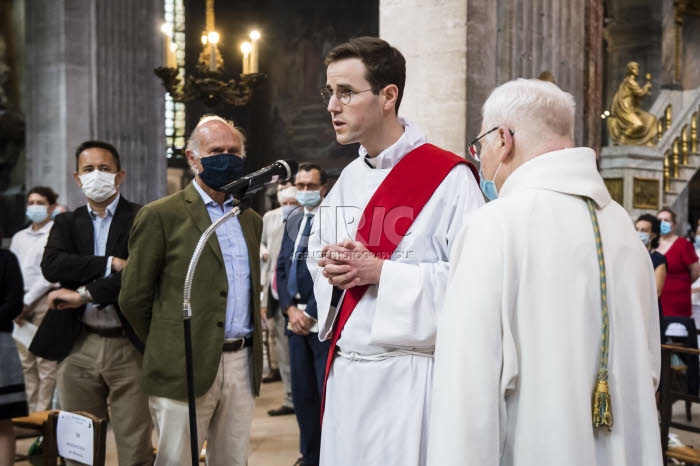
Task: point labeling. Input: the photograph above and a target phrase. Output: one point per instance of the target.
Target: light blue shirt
(107, 316)
(235, 253)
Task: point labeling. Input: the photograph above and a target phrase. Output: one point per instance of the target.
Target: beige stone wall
(431, 34)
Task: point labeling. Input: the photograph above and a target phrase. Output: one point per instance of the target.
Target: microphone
(282, 170)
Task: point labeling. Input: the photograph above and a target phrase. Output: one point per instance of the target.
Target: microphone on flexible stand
(282, 170)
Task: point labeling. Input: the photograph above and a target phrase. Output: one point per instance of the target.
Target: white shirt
(28, 245)
(94, 315)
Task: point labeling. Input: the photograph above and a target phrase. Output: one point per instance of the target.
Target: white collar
(568, 171)
(411, 138)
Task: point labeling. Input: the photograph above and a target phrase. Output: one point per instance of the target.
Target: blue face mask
(697, 241)
(665, 227)
(220, 170)
(37, 213)
(488, 187)
(309, 198)
(644, 236)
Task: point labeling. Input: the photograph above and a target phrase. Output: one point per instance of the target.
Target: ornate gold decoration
(629, 124)
(684, 144)
(615, 186)
(645, 193)
(667, 117)
(694, 132)
(667, 171)
(675, 158)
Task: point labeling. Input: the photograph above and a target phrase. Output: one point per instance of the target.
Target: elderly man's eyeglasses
(343, 95)
(475, 145)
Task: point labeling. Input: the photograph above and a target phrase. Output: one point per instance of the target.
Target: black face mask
(220, 170)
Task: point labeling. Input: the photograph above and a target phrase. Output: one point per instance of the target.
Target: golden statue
(628, 124)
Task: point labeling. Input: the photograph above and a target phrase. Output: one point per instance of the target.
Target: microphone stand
(187, 319)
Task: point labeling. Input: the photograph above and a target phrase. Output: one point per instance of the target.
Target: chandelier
(206, 85)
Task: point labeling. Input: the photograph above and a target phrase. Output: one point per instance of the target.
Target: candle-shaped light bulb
(213, 37)
(204, 39)
(172, 57)
(246, 48)
(167, 33)
(254, 36)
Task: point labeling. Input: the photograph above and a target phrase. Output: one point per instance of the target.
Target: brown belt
(237, 344)
(115, 332)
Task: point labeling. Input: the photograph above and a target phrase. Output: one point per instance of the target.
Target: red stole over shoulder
(390, 213)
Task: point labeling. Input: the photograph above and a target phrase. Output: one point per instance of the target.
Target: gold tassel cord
(602, 409)
(601, 401)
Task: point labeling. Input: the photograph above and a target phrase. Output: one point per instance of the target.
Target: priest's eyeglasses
(344, 95)
(475, 145)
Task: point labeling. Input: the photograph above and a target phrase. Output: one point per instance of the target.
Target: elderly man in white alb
(547, 347)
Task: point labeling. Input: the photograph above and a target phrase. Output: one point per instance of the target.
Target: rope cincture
(602, 404)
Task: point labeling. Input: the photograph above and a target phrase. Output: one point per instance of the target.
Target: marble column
(89, 75)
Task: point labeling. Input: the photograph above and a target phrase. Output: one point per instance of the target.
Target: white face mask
(98, 186)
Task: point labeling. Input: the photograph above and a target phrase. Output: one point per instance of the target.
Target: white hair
(287, 194)
(193, 141)
(530, 102)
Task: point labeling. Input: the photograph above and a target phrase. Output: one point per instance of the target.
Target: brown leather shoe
(273, 376)
(281, 411)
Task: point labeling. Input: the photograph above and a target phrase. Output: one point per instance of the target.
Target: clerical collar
(411, 138)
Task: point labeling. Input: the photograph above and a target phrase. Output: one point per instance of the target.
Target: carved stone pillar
(89, 76)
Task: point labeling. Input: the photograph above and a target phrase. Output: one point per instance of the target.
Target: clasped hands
(349, 264)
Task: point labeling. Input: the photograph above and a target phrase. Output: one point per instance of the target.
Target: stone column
(458, 51)
(89, 75)
(433, 40)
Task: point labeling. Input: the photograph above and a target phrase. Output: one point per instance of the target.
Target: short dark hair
(668, 209)
(655, 227)
(45, 192)
(308, 166)
(385, 64)
(99, 145)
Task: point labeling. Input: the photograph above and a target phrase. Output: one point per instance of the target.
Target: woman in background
(649, 230)
(13, 400)
(682, 264)
(695, 287)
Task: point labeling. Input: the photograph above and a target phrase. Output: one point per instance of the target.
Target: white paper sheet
(24, 334)
(74, 436)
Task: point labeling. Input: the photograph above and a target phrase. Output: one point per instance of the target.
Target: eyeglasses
(475, 145)
(343, 95)
(307, 186)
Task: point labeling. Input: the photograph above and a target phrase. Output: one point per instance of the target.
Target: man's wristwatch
(84, 294)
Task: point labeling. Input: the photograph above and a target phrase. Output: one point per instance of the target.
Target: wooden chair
(690, 340)
(30, 426)
(669, 394)
(99, 440)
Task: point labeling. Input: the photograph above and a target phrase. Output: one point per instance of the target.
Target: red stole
(396, 203)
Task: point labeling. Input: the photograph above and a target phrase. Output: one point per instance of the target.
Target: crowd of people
(410, 322)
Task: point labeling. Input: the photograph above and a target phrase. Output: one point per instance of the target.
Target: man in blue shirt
(226, 329)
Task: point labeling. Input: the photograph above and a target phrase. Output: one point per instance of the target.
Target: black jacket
(69, 259)
(11, 290)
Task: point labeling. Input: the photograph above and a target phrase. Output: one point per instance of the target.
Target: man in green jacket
(226, 331)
